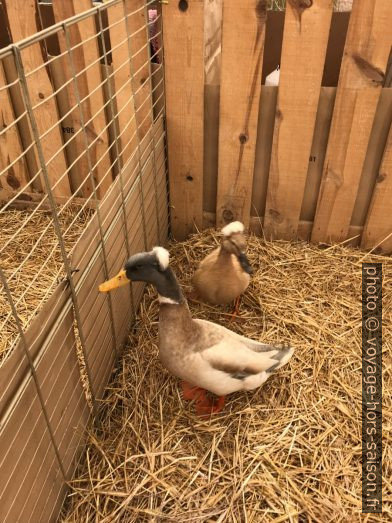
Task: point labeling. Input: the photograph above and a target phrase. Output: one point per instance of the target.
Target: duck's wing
(256, 346)
(240, 357)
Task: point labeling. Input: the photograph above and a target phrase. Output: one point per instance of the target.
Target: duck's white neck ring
(164, 299)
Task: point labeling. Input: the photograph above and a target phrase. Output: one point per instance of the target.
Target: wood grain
(85, 56)
(184, 78)
(243, 34)
(304, 48)
(361, 78)
(12, 177)
(22, 23)
(318, 152)
(378, 227)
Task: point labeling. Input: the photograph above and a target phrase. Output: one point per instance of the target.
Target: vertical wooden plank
(265, 134)
(211, 146)
(243, 33)
(183, 30)
(140, 63)
(161, 181)
(305, 41)
(361, 78)
(86, 56)
(158, 88)
(18, 106)
(24, 128)
(16, 176)
(317, 153)
(70, 125)
(94, 77)
(378, 227)
(107, 72)
(123, 94)
(22, 23)
(79, 174)
(375, 151)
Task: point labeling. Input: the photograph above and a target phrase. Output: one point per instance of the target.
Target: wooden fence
(308, 159)
(82, 122)
(81, 128)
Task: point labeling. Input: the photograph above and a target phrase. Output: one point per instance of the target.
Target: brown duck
(224, 274)
(207, 356)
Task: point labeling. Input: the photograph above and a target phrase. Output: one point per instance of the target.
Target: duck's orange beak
(117, 281)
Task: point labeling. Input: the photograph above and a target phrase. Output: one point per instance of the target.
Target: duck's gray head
(147, 266)
(150, 267)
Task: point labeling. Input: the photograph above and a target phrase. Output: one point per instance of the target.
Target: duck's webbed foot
(210, 405)
(205, 402)
(190, 392)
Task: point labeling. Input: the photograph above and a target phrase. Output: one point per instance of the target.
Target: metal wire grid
(58, 205)
(59, 210)
(33, 467)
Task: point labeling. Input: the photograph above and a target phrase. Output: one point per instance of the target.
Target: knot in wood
(12, 180)
(228, 216)
(275, 216)
(183, 5)
(243, 138)
(370, 71)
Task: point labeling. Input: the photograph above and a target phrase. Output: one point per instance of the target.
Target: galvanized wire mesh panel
(83, 184)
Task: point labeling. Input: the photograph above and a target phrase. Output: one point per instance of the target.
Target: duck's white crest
(232, 228)
(162, 256)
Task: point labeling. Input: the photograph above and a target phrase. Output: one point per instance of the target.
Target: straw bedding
(290, 451)
(19, 249)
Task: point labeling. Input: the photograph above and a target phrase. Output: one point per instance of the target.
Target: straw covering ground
(35, 248)
(290, 451)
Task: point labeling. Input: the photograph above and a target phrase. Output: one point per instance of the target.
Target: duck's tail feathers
(282, 356)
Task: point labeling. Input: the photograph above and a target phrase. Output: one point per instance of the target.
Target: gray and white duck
(206, 356)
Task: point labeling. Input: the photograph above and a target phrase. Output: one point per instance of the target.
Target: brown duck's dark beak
(117, 281)
(244, 262)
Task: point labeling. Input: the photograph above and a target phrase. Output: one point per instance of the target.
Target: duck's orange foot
(190, 392)
(236, 310)
(207, 406)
